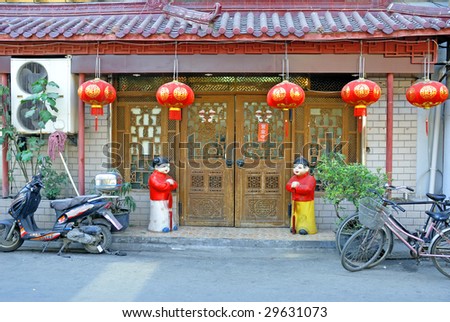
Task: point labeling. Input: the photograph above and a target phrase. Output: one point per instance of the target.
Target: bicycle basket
(370, 212)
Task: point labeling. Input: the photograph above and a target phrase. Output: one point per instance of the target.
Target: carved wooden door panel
(206, 144)
(260, 174)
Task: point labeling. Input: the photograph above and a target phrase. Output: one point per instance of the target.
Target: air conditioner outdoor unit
(24, 72)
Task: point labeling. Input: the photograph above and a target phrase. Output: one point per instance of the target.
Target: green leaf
(53, 84)
(52, 103)
(30, 113)
(21, 144)
(32, 97)
(41, 125)
(46, 116)
(53, 95)
(26, 155)
(37, 87)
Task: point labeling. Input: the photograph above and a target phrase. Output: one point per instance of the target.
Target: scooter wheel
(10, 245)
(103, 244)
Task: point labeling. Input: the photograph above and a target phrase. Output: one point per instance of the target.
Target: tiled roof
(133, 21)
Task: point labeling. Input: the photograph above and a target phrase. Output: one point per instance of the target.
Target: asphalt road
(213, 274)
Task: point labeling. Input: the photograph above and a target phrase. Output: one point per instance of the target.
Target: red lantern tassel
(286, 128)
(175, 113)
(96, 110)
(426, 126)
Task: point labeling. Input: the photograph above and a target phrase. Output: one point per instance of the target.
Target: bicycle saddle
(439, 216)
(436, 196)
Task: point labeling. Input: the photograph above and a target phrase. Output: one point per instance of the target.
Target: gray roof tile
(135, 23)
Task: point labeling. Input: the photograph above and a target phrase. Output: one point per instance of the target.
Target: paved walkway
(138, 238)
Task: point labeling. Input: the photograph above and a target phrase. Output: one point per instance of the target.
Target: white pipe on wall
(364, 139)
(434, 149)
(446, 140)
(422, 153)
(436, 138)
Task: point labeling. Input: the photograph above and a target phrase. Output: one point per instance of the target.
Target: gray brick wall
(404, 133)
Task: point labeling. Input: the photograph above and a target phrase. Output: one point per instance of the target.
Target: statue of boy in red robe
(161, 186)
(302, 186)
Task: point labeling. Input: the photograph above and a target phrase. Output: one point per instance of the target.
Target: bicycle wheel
(387, 247)
(362, 249)
(346, 229)
(350, 225)
(440, 246)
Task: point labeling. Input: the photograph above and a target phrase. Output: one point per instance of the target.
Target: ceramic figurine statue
(161, 186)
(302, 185)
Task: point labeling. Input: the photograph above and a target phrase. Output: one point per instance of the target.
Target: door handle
(240, 163)
(229, 163)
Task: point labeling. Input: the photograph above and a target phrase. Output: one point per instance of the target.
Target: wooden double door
(233, 155)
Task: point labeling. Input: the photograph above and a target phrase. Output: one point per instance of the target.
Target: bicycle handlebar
(391, 187)
(386, 201)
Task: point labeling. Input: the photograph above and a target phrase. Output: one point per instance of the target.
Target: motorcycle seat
(67, 203)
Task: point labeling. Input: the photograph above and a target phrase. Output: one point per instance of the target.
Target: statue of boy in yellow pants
(302, 185)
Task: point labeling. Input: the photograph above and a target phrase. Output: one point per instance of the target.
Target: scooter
(85, 219)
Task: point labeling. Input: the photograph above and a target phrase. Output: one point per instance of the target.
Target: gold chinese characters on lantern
(360, 93)
(175, 96)
(426, 94)
(97, 93)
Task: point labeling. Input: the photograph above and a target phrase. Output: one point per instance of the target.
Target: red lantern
(97, 93)
(426, 94)
(285, 95)
(360, 93)
(175, 95)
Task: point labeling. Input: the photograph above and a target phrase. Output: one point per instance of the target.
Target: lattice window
(225, 83)
(260, 112)
(272, 182)
(215, 183)
(141, 132)
(207, 130)
(197, 181)
(254, 182)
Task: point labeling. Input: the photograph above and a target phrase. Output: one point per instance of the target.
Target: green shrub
(53, 181)
(342, 181)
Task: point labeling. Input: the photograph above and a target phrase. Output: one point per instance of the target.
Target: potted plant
(111, 184)
(341, 181)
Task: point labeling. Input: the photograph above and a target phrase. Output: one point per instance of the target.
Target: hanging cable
(175, 63)
(285, 63)
(361, 61)
(97, 62)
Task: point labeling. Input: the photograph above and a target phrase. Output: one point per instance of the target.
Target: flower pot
(123, 217)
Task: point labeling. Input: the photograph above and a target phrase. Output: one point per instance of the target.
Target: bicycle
(351, 224)
(364, 247)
